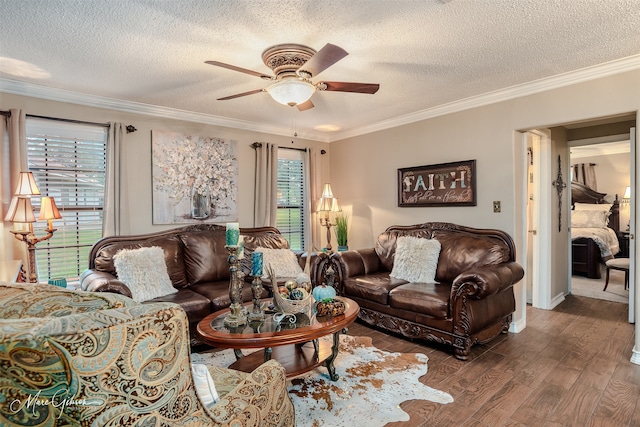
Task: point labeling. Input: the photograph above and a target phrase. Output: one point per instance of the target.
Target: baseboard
(635, 356)
(557, 301)
(518, 326)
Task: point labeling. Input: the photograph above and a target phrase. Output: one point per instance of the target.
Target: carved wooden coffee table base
(297, 347)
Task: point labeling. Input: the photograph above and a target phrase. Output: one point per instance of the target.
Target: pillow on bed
(592, 207)
(589, 219)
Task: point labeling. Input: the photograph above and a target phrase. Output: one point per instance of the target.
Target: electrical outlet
(496, 206)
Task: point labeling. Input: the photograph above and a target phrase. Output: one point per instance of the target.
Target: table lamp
(20, 213)
(327, 204)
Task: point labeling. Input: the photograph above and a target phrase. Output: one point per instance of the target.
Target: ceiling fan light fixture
(291, 91)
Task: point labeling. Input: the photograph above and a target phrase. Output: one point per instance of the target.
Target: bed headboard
(582, 194)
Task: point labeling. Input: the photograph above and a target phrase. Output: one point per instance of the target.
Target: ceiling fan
(294, 66)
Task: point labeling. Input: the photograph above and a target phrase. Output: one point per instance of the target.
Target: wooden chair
(621, 264)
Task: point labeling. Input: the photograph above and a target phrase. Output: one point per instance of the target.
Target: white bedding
(605, 238)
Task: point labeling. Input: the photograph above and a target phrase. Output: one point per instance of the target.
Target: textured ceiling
(425, 54)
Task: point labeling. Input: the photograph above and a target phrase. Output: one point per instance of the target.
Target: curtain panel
(266, 185)
(115, 221)
(585, 173)
(313, 179)
(13, 160)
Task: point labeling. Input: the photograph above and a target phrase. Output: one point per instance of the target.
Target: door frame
(540, 270)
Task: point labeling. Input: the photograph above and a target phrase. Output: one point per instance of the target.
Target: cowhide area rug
(371, 386)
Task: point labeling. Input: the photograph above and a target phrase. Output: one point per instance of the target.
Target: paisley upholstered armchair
(78, 358)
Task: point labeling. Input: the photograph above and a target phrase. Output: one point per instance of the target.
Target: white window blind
(291, 217)
(68, 161)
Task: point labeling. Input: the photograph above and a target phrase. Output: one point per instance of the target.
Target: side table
(623, 242)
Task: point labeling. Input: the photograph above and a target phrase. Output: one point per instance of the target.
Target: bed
(594, 237)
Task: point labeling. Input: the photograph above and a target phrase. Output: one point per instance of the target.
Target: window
(291, 197)
(68, 161)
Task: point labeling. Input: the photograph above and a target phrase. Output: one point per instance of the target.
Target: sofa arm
(100, 281)
(358, 262)
(487, 280)
(263, 394)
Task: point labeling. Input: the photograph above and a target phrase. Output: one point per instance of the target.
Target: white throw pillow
(144, 271)
(416, 259)
(592, 207)
(283, 262)
(589, 219)
(203, 382)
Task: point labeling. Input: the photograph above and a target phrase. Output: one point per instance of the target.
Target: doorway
(554, 251)
(610, 164)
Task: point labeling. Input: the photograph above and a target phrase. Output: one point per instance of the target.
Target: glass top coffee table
(294, 344)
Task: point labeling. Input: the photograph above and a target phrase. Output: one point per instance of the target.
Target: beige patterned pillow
(144, 271)
(416, 259)
(589, 219)
(283, 262)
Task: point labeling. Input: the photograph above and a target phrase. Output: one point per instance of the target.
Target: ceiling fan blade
(305, 105)
(370, 88)
(238, 95)
(323, 59)
(240, 69)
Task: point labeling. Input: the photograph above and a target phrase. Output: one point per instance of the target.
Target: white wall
(138, 152)
(364, 168)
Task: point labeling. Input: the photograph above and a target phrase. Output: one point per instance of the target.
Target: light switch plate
(496, 206)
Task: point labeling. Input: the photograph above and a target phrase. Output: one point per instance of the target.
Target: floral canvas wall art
(194, 178)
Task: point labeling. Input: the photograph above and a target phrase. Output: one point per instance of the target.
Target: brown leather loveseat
(196, 260)
(472, 303)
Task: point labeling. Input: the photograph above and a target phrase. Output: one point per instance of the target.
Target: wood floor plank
(576, 407)
(501, 406)
(597, 373)
(569, 367)
(617, 404)
(539, 405)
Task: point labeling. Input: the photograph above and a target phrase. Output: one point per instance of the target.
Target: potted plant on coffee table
(342, 222)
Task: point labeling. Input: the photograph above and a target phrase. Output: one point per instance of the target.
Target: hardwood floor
(568, 367)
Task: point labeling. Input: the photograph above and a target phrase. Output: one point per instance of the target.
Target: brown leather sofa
(196, 260)
(472, 303)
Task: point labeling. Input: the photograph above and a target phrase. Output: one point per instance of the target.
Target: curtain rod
(259, 144)
(130, 128)
(81, 122)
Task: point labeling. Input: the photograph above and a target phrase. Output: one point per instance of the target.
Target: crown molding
(561, 80)
(630, 63)
(62, 95)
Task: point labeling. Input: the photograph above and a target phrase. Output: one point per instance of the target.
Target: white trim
(542, 279)
(635, 356)
(54, 94)
(517, 326)
(556, 301)
(561, 80)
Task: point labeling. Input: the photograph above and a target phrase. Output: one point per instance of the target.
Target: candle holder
(257, 313)
(236, 316)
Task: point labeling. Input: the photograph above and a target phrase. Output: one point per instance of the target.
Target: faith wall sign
(444, 184)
